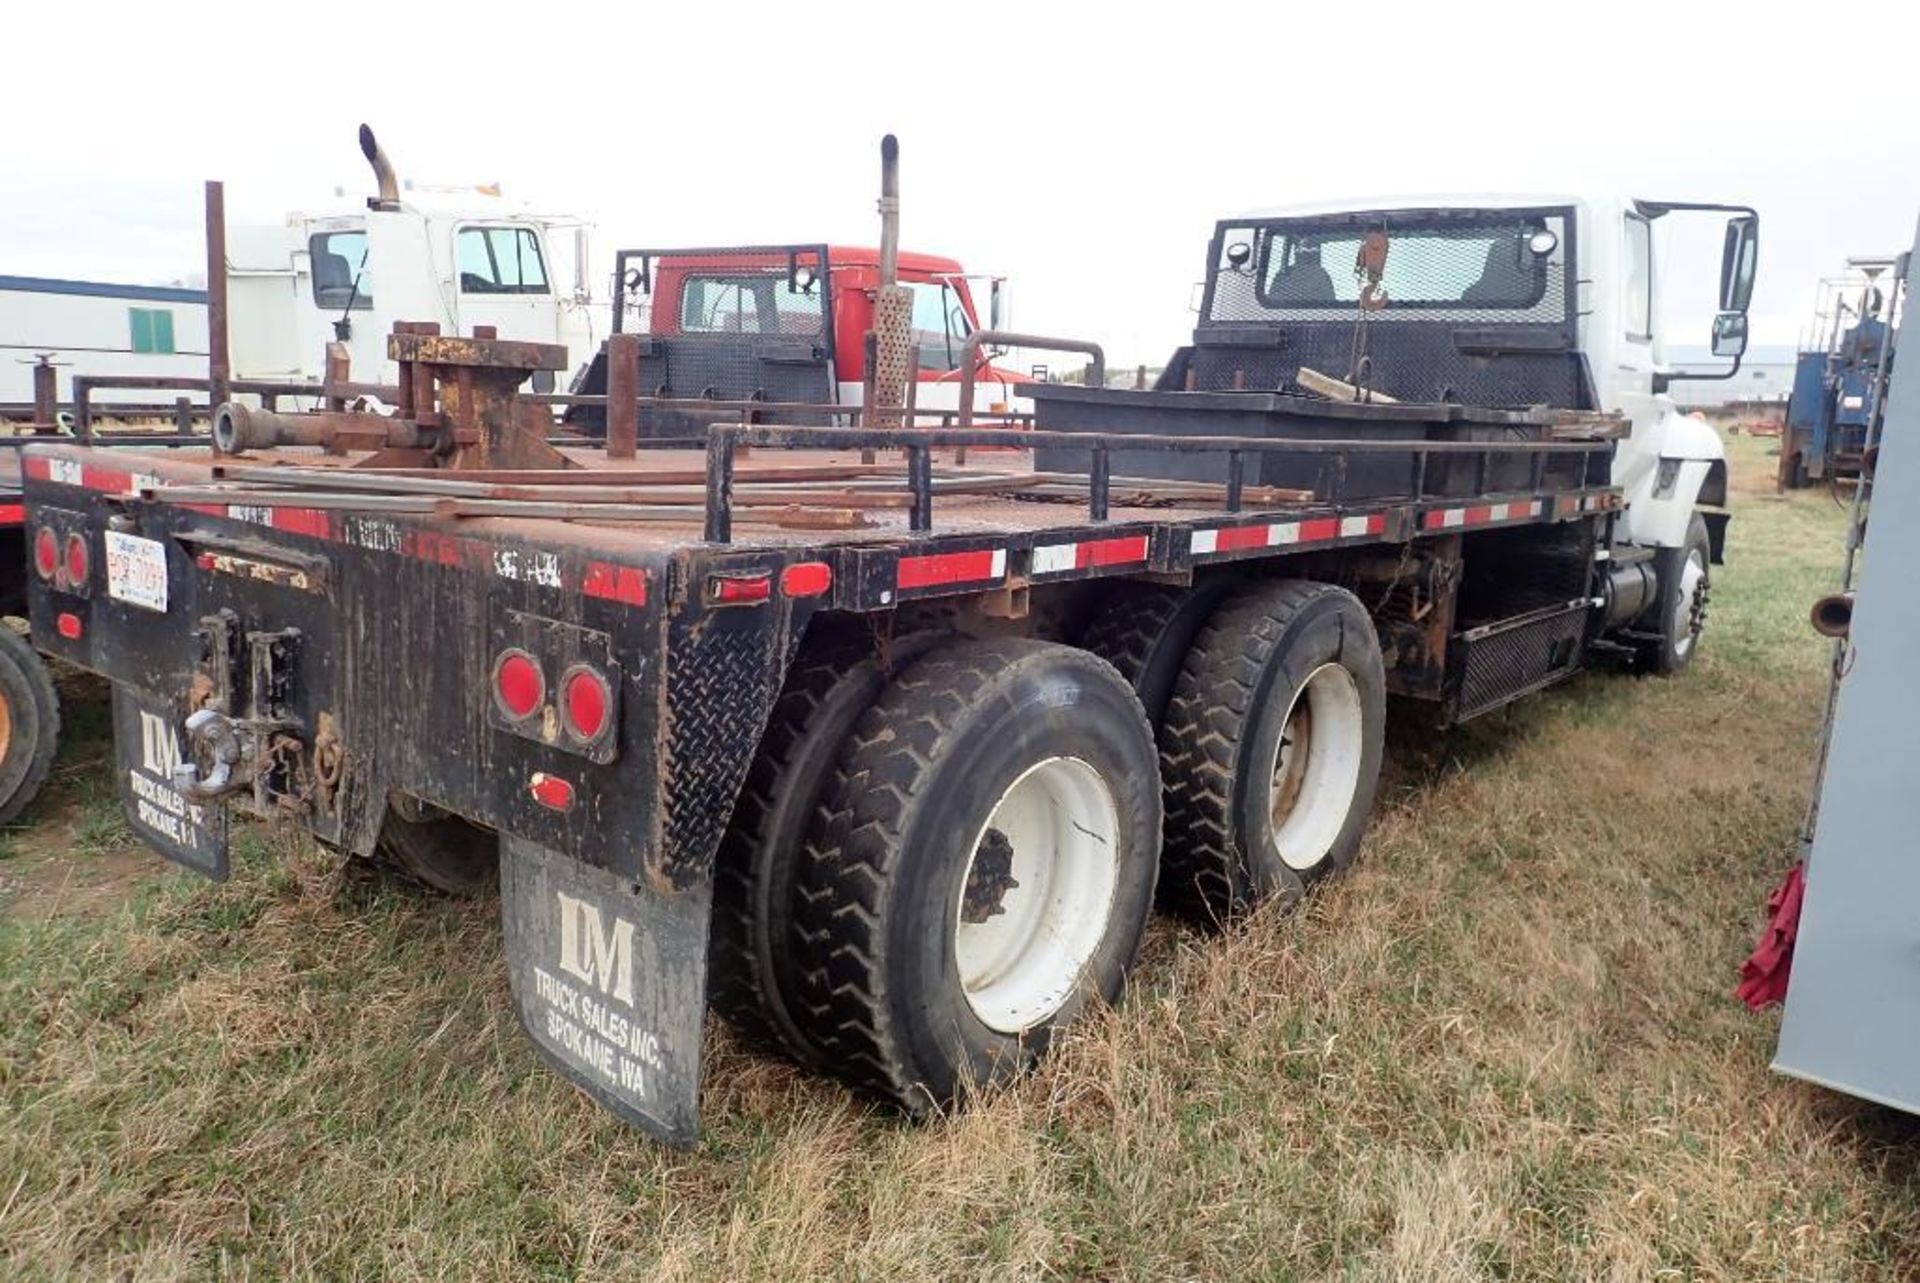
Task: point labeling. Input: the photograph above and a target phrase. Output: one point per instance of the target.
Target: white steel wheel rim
(1019, 965)
(1691, 573)
(1316, 766)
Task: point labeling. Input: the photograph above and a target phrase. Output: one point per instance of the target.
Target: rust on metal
(623, 393)
(1369, 264)
(219, 354)
(46, 393)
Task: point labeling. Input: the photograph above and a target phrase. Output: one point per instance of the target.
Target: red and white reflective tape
(1479, 514)
(528, 564)
(939, 569)
(1574, 505)
(1203, 543)
(1056, 558)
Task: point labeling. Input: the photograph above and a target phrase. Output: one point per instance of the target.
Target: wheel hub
(1316, 766)
(1690, 606)
(1037, 897)
(989, 879)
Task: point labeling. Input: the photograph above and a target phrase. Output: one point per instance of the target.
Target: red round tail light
(518, 684)
(587, 703)
(78, 562)
(46, 553)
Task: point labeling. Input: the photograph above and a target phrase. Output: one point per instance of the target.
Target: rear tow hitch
(224, 755)
(260, 748)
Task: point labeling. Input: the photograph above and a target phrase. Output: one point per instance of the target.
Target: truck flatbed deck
(992, 522)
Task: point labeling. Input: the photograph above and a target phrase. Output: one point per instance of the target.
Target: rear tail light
(586, 703)
(69, 625)
(806, 579)
(738, 590)
(79, 562)
(551, 791)
(46, 553)
(518, 684)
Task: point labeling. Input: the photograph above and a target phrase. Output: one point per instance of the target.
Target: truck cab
(345, 272)
(1500, 301)
(787, 324)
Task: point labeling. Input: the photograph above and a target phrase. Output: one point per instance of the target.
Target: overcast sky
(1083, 151)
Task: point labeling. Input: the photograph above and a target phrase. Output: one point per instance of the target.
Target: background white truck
(345, 270)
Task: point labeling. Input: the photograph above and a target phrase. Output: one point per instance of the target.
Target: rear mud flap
(146, 746)
(609, 977)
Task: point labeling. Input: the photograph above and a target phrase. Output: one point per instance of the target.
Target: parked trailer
(1843, 921)
(883, 760)
(1840, 375)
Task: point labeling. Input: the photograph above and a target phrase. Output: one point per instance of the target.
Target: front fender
(1667, 473)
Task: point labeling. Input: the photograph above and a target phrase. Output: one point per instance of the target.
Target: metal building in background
(1853, 1002)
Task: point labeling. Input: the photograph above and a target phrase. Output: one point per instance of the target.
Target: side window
(1636, 284)
(499, 260)
(340, 276)
(152, 329)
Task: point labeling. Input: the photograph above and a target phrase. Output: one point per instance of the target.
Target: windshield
(1481, 264)
(940, 324)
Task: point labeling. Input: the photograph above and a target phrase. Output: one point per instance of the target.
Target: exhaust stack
(389, 197)
(890, 365)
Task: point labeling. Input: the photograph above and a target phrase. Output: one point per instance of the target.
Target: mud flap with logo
(609, 977)
(147, 748)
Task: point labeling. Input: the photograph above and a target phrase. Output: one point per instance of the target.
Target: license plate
(137, 570)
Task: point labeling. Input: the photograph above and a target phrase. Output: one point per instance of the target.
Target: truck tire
(29, 724)
(1144, 631)
(441, 852)
(980, 870)
(1271, 748)
(1681, 577)
(750, 969)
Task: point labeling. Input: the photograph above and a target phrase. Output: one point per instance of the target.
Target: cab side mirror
(1739, 259)
(1730, 334)
(994, 305)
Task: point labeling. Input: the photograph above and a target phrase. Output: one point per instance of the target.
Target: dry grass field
(1505, 1048)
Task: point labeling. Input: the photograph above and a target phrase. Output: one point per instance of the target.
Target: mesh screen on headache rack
(1471, 305)
(1482, 266)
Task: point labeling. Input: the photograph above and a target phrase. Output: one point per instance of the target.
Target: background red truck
(788, 324)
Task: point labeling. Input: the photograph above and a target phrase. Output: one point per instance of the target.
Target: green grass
(1505, 1048)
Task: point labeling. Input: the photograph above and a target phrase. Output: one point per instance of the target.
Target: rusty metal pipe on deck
(239, 427)
(970, 360)
(219, 353)
(623, 395)
(1832, 615)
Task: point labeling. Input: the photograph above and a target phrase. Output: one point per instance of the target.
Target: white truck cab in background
(348, 271)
